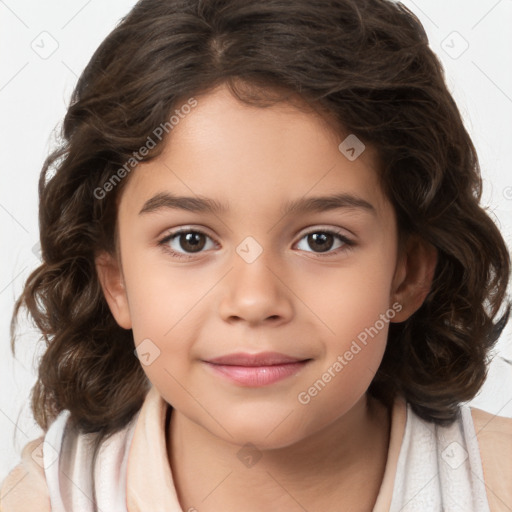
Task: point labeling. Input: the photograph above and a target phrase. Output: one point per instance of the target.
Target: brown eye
(191, 241)
(323, 241)
(186, 242)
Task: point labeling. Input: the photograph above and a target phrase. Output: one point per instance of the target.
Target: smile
(255, 370)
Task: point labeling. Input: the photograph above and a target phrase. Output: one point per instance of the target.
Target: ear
(413, 276)
(111, 279)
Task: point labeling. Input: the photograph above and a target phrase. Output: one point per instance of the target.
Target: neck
(339, 467)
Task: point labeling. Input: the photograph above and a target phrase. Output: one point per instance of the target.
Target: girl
(276, 204)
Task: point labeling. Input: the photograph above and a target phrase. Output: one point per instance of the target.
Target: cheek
(165, 308)
(353, 304)
(159, 294)
(353, 297)
(358, 320)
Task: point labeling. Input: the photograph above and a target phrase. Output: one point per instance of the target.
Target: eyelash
(348, 244)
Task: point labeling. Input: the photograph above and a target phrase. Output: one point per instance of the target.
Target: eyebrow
(199, 204)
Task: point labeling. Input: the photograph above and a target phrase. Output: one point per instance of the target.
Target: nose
(256, 292)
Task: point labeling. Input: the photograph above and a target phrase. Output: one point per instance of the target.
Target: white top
(439, 468)
(68, 468)
(429, 467)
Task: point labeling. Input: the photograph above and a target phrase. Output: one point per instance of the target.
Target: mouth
(255, 370)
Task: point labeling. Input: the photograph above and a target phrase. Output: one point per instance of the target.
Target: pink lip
(256, 370)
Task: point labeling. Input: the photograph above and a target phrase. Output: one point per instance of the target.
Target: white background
(34, 92)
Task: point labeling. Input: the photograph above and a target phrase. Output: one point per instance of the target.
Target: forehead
(246, 156)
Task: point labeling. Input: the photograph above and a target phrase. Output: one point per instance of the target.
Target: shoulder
(494, 434)
(488, 424)
(24, 488)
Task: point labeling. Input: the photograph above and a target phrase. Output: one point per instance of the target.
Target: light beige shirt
(138, 457)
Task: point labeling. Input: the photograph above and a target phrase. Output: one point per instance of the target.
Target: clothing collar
(150, 485)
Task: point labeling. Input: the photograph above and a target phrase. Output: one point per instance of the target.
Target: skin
(294, 298)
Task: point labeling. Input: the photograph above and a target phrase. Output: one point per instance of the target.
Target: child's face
(257, 283)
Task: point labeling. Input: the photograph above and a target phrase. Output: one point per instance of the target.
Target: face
(233, 271)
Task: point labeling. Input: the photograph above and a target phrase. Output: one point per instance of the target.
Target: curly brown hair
(365, 63)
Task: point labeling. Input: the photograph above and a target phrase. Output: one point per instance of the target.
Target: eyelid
(169, 233)
(336, 231)
(172, 233)
(314, 228)
(305, 231)
(339, 233)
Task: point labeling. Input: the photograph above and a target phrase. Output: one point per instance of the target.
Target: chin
(264, 442)
(264, 435)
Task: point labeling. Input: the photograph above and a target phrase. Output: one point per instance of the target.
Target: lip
(255, 370)
(259, 359)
